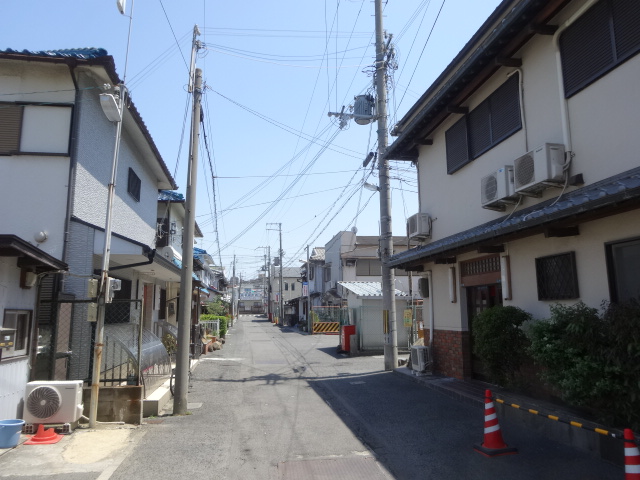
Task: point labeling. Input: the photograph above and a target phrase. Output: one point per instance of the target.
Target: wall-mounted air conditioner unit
(53, 402)
(419, 226)
(497, 189)
(539, 169)
(420, 358)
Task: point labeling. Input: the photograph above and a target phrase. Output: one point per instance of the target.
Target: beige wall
(603, 119)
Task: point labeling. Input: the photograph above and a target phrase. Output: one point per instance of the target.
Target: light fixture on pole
(373, 188)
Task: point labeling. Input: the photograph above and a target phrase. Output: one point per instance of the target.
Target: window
(495, 119)
(286, 286)
(603, 38)
(369, 267)
(22, 127)
(293, 286)
(312, 270)
(327, 273)
(623, 264)
(557, 277)
(133, 186)
(20, 321)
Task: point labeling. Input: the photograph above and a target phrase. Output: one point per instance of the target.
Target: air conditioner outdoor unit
(419, 226)
(539, 169)
(497, 190)
(53, 402)
(420, 358)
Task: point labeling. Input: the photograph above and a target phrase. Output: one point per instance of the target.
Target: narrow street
(278, 404)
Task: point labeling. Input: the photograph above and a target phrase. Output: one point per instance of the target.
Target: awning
(28, 255)
(611, 196)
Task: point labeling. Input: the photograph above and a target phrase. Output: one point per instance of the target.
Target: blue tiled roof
(81, 53)
(608, 193)
(170, 195)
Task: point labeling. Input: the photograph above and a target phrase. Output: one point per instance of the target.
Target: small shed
(364, 300)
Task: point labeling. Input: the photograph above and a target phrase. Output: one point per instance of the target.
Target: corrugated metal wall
(13, 378)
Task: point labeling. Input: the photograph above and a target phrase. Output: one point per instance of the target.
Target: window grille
(557, 277)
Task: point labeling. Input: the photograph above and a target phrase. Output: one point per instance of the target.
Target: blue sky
(272, 71)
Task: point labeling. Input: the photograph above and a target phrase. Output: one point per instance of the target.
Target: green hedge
(500, 342)
(593, 358)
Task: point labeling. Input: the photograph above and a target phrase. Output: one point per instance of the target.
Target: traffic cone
(631, 456)
(44, 437)
(493, 445)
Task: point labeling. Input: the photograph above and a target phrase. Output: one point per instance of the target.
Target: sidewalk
(84, 454)
(473, 392)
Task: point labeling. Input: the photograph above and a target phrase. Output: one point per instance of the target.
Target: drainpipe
(73, 159)
(431, 316)
(564, 110)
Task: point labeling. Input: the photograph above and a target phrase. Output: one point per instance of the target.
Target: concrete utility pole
(186, 285)
(386, 232)
(281, 255)
(234, 296)
(309, 323)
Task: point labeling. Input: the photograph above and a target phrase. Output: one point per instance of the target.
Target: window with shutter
(604, 37)
(494, 120)
(134, 185)
(10, 127)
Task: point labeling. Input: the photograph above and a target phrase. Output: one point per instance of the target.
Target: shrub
(593, 359)
(500, 342)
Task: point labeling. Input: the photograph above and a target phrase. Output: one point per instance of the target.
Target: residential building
(56, 151)
(527, 163)
(252, 296)
(291, 289)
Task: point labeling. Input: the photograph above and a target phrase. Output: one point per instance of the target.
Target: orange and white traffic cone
(493, 445)
(44, 436)
(631, 456)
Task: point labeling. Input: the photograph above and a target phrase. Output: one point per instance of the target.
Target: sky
(271, 159)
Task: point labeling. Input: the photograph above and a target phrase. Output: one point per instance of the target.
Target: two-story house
(291, 289)
(528, 171)
(56, 151)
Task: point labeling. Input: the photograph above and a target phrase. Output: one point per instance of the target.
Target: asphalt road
(275, 403)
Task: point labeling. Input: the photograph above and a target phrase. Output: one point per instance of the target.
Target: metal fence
(131, 354)
(330, 314)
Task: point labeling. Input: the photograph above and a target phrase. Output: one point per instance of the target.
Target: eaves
(510, 26)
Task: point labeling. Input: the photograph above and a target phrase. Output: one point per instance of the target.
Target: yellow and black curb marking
(601, 431)
(326, 327)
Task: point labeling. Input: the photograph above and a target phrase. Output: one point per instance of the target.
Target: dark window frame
(557, 277)
(486, 126)
(134, 185)
(578, 43)
(614, 293)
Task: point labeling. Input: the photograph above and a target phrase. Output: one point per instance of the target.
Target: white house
(528, 168)
(56, 150)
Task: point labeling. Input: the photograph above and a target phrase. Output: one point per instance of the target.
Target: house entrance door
(480, 298)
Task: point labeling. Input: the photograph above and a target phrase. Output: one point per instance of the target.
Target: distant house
(527, 165)
(56, 150)
(291, 289)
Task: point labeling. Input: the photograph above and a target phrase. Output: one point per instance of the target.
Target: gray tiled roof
(608, 196)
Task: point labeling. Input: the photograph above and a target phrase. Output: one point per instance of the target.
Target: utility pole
(386, 233)
(269, 312)
(186, 285)
(281, 255)
(309, 323)
(234, 298)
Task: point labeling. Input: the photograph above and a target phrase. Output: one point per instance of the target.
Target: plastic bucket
(10, 433)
